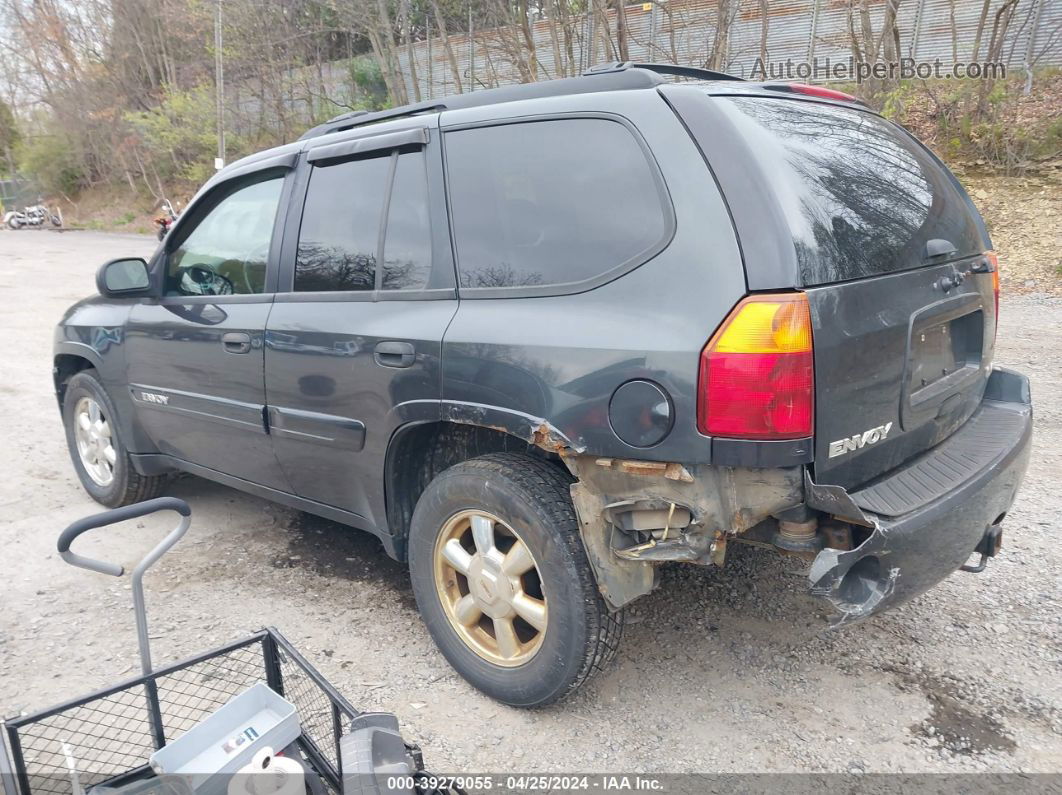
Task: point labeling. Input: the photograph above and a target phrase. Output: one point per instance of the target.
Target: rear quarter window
(860, 196)
(552, 206)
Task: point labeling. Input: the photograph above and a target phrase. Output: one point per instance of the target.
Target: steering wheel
(260, 256)
(200, 280)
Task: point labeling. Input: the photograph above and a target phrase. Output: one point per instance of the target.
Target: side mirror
(123, 278)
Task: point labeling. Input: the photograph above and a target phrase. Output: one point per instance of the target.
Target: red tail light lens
(993, 260)
(756, 376)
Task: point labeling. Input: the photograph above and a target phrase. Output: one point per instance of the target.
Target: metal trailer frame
(179, 694)
(106, 737)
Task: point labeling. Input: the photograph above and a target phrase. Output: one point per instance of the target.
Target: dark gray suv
(542, 339)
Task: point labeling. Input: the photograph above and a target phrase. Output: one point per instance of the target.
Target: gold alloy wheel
(490, 588)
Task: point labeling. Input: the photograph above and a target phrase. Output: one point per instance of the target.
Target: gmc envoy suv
(542, 339)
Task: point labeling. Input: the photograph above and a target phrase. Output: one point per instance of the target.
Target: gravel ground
(721, 670)
(1024, 216)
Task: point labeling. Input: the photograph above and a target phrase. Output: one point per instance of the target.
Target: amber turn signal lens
(768, 324)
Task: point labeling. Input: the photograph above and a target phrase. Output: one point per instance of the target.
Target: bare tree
(981, 20)
(719, 56)
(868, 46)
(440, 23)
(405, 23)
(1000, 23)
(621, 31)
(765, 19)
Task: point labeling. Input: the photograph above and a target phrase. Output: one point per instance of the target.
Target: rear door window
(861, 197)
(552, 203)
(348, 205)
(340, 231)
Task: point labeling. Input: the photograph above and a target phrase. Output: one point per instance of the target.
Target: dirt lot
(721, 670)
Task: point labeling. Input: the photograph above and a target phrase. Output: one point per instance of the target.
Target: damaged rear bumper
(929, 516)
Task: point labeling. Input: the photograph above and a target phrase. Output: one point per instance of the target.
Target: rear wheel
(100, 459)
(502, 580)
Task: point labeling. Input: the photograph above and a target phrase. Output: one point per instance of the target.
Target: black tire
(533, 497)
(127, 485)
(161, 233)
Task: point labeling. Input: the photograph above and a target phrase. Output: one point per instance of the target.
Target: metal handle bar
(138, 509)
(66, 538)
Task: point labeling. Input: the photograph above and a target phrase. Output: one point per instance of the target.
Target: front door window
(226, 252)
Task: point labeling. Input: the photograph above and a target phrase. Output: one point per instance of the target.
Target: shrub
(1003, 129)
(178, 137)
(368, 82)
(54, 161)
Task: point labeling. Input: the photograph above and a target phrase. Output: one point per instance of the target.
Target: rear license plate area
(941, 349)
(944, 354)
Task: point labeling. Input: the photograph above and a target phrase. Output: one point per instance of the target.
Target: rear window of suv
(861, 197)
(552, 205)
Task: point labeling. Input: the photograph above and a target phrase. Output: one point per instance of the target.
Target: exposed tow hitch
(988, 547)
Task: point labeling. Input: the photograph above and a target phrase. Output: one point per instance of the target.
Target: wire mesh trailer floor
(110, 734)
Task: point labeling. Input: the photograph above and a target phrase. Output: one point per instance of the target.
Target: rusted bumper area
(910, 551)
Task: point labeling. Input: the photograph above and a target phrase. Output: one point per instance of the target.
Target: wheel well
(65, 367)
(419, 453)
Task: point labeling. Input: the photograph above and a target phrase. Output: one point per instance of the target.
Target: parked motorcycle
(37, 215)
(165, 221)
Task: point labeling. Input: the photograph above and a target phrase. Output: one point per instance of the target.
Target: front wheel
(102, 463)
(502, 580)
(13, 222)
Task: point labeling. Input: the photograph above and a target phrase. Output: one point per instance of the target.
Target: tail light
(756, 376)
(993, 261)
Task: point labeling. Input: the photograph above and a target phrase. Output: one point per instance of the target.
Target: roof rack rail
(356, 118)
(661, 69)
(344, 116)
